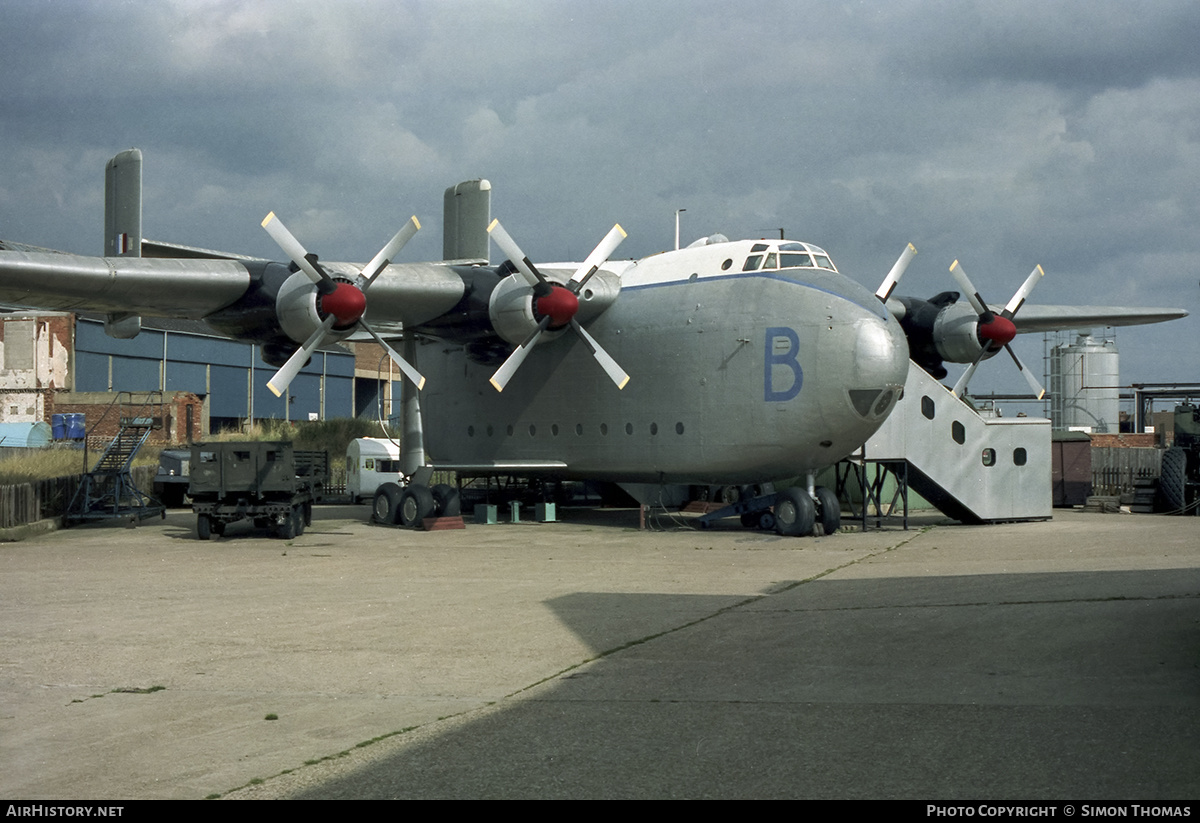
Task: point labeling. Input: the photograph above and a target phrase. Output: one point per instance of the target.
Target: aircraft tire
(446, 501)
(795, 513)
(829, 510)
(203, 527)
(415, 504)
(386, 506)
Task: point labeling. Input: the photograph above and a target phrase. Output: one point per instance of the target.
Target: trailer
(371, 462)
(269, 482)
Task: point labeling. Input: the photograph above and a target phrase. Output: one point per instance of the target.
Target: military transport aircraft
(731, 363)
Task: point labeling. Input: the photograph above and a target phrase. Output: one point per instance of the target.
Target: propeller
(556, 304)
(995, 330)
(893, 278)
(342, 305)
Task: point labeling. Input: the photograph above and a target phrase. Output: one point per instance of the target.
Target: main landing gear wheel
(829, 510)
(415, 505)
(386, 506)
(795, 513)
(446, 501)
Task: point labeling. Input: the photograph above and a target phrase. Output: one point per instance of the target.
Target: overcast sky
(1005, 134)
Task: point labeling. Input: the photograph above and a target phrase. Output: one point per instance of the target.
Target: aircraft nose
(880, 366)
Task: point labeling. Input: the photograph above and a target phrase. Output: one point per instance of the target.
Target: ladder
(108, 492)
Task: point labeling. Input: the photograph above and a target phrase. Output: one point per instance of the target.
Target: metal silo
(1084, 379)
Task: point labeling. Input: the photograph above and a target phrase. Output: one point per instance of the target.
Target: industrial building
(57, 362)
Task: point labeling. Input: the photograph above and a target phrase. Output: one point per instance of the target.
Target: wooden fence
(23, 503)
(1115, 470)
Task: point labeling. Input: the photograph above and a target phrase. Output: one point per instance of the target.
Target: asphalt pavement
(1056, 660)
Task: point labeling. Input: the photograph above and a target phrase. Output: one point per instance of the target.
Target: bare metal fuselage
(735, 378)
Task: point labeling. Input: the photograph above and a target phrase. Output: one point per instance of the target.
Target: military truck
(269, 482)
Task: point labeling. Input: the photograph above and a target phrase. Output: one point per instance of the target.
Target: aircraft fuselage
(736, 377)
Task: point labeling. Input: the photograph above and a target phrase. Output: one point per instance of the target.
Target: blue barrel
(76, 426)
(58, 426)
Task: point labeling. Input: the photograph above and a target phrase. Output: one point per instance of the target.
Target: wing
(130, 285)
(1054, 318)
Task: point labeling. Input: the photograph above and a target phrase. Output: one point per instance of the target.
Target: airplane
(733, 363)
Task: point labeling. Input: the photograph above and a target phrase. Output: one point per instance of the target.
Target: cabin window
(532, 430)
(554, 429)
(725, 266)
(629, 428)
(958, 432)
(824, 262)
(772, 261)
(1020, 458)
(653, 429)
(470, 431)
(927, 407)
(579, 429)
(752, 262)
(603, 428)
(759, 247)
(989, 457)
(679, 428)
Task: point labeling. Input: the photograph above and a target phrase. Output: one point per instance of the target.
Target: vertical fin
(467, 210)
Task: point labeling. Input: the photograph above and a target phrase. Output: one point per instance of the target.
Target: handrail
(153, 398)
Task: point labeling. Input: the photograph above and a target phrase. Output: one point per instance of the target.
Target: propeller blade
(961, 385)
(509, 367)
(893, 278)
(964, 283)
(1027, 374)
(513, 252)
(615, 372)
(1018, 299)
(412, 374)
(292, 248)
(388, 253)
(598, 257)
(283, 378)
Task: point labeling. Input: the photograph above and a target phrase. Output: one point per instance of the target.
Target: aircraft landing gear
(829, 510)
(795, 513)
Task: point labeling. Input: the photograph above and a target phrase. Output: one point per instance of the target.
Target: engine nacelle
(956, 334)
(296, 308)
(511, 309)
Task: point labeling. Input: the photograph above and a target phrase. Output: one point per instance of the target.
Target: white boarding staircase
(974, 469)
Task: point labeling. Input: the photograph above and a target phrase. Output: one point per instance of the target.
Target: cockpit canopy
(787, 255)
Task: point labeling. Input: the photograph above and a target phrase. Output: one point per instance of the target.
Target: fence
(23, 503)
(1115, 470)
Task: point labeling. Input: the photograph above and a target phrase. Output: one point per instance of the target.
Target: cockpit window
(792, 260)
(789, 255)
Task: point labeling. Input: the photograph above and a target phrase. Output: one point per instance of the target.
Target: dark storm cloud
(1007, 134)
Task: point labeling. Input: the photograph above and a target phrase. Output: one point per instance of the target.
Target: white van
(370, 461)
